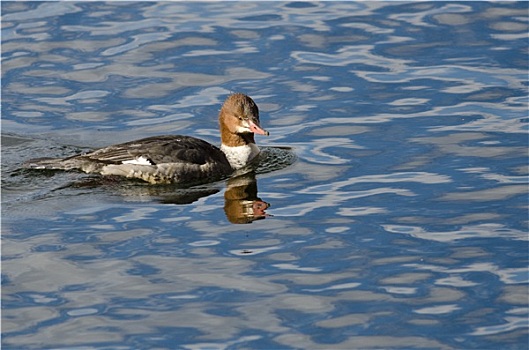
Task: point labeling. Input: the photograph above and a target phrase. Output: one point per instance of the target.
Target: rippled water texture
(391, 211)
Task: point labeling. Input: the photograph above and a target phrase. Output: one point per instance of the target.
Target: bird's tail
(48, 163)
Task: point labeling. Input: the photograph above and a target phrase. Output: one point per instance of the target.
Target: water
(401, 223)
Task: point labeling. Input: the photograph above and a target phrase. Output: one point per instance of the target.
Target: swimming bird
(176, 158)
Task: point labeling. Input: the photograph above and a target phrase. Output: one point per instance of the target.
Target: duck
(176, 159)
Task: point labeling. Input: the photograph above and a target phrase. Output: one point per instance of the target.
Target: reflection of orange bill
(259, 208)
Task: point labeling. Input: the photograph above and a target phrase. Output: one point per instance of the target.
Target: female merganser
(176, 158)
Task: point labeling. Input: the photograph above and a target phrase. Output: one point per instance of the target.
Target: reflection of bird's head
(245, 212)
(241, 204)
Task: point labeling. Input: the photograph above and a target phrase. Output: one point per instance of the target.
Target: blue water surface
(397, 215)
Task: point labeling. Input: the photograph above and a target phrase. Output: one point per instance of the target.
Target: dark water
(401, 224)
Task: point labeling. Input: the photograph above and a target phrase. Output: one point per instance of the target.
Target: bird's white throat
(239, 156)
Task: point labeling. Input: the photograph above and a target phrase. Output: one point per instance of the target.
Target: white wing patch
(141, 160)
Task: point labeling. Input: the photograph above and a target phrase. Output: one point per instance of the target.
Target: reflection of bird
(241, 204)
(175, 158)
